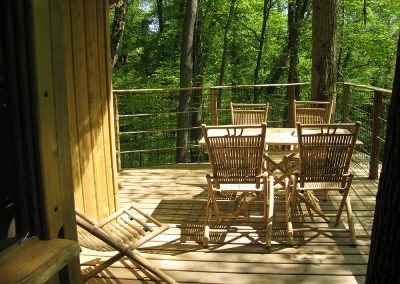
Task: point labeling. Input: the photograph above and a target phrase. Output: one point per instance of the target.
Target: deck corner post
(291, 90)
(376, 126)
(346, 101)
(213, 106)
(116, 130)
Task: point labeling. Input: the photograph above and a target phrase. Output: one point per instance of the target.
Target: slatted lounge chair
(236, 156)
(124, 232)
(325, 154)
(249, 114)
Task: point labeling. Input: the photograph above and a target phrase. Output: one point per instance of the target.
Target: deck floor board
(176, 195)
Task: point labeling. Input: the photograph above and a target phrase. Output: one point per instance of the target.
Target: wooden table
(279, 141)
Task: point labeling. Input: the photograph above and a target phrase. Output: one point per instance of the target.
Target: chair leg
(289, 204)
(352, 231)
(326, 195)
(270, 214)
(206, 233)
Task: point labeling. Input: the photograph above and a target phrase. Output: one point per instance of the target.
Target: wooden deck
(176, 195)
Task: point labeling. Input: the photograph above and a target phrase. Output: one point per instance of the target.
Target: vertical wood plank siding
(89, 108)
(45, 70)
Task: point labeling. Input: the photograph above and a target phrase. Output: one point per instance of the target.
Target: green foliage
(150, 59)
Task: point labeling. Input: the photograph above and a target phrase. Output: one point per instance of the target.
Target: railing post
(291, 97)
(376, 127)
(346, 101)
(214, 106)
(116, 128)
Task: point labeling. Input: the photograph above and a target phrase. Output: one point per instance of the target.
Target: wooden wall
(90, 106)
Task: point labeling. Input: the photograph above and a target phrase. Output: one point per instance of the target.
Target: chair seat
(322, 186)
(239, 187)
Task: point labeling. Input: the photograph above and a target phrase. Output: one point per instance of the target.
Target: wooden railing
(215, 108)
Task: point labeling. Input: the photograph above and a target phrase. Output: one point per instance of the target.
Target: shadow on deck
(176, 195)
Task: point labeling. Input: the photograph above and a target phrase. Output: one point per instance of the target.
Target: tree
(227, 28)
(186, 69)
(296, 13)
(198, 74)
(384, 260)
(323, 75)
(267, 7)
(161, 22)
(117, 30)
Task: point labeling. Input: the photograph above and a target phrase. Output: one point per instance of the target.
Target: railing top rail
(368, 87)
(206, 88)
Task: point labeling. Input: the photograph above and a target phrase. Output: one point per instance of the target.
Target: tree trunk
(323, 77)
(225, 49)
(297, 11)
(267, 8)
(198, 73)
(296, 14)
(384, 260)
(117, 30)
(161, 23)
(186, 66)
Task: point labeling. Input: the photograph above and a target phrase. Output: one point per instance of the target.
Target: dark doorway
(19, 216)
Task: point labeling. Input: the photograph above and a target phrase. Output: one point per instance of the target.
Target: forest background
(185, 43)
(247, 41)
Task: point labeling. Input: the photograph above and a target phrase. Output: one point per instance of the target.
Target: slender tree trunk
(161, 23)
(323, 78)
(297, 11)
(117, 30)
(384, 260)
(225, 49)
(186, 67)
(267, 8)
(296, 16)
(340, 53)
(198, 73)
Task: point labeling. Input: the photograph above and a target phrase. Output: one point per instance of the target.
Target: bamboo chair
(124, 231)
(249, 114)
(307, 112)
(236, 157)
(325, 154)
(312, 112)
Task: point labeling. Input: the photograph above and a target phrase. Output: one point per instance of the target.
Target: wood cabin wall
(91, 124)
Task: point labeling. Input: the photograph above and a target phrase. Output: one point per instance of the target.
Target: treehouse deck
(176, 195)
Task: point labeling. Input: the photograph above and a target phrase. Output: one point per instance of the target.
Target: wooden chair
(124, 231)
(325, 154)
(249, 114)
(312, 112)
(307, 112)
(236, 157)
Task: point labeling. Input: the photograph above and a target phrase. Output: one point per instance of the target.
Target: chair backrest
(235, 152)
(249, 114)
(312, 112)
(326, 150)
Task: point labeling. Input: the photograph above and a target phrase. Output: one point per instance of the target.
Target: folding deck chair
(249, 114)
(124, 231)
(236, 157)
(325, 155)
